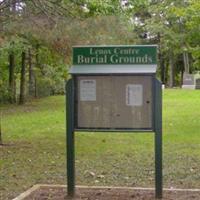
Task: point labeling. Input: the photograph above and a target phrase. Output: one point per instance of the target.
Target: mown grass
(35, 148)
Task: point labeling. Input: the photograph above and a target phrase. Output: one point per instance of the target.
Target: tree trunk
(12, 77)
(1, 139)
(36, 65)
(162, 68)
(171, 68)
(22, 80)
(12, 88)
(31, 75)
(166, 63)
(160, 59)
(186, 62)
(36, 92)
(181, 81)
(11, 5)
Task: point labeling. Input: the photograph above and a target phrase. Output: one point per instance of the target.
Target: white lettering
(128, 51)
(99, 51)
(113, 59)
(91, 51)
(150, 59)
(80, 59)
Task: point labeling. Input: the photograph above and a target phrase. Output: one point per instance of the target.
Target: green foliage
(89, 8)
(196, 56)
(174, 26)
(49, 29)
(4, 93)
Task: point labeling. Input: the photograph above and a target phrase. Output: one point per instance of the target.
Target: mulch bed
(60, 193)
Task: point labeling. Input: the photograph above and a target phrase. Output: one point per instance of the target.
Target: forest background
(36, 39)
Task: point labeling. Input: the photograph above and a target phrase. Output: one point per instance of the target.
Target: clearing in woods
(35, 148)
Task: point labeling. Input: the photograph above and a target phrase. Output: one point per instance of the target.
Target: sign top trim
(145, 45)
(115, 55)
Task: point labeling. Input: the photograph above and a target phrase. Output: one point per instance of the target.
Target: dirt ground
(58, 193)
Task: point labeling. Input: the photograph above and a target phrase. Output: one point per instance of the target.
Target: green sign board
(100, 55)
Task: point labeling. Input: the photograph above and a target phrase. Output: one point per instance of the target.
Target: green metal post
(70, 138)
(158, 139)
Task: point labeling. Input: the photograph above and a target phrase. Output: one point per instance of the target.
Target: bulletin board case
(114, 102)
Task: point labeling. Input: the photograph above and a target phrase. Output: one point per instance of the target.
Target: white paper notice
(134, 95)
(87, 90)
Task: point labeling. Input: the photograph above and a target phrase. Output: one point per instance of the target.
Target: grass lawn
(35, 150)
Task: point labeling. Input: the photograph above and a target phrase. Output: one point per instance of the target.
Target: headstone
(197, 83)
(188, 81)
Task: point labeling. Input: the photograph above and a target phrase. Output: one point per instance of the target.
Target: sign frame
(107, 129)
(156, 128)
